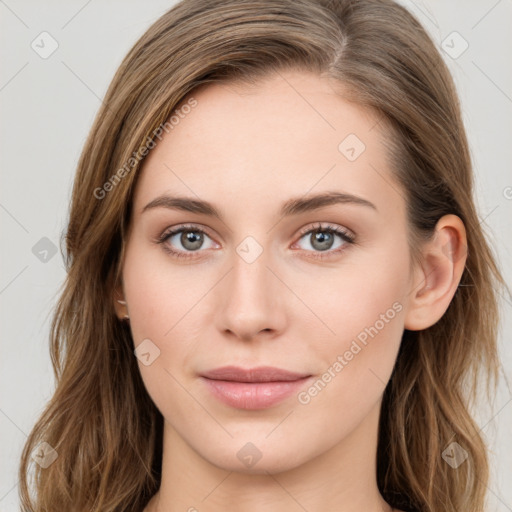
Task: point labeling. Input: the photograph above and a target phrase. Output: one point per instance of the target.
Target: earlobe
(120, 304)
(438, 276)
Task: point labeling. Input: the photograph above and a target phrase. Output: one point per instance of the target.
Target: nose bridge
(250, 275)
(250, 302)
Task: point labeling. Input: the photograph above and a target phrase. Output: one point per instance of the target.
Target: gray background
(47, 107)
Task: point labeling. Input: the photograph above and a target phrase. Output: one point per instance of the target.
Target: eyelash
(345, 235)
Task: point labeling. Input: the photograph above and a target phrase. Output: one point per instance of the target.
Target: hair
(102, 423)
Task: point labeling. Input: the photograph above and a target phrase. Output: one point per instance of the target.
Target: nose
(251, 299)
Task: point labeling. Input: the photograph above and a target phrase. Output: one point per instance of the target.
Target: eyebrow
(291, 207)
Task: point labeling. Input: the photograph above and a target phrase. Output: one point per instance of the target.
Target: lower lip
(253, 395)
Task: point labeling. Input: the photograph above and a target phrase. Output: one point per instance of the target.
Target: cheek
(368, 290)
(163, 305)
(362, 308)
(159, 296)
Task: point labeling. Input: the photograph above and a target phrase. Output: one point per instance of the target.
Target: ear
(120, 305)
(439, 273)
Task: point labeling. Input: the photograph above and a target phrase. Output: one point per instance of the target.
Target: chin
(256, 458)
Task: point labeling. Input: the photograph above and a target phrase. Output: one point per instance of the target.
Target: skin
(247, 150)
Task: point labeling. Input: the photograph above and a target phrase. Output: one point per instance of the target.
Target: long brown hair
(102, 424)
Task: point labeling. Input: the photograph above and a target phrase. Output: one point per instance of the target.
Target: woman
(278, 288)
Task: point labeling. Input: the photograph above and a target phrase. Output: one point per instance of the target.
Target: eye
(191, 238)
(322, 239)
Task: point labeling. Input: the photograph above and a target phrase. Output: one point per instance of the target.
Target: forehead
(287, 135)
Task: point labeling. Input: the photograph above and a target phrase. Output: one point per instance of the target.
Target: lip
(253, 388)
(258, 374)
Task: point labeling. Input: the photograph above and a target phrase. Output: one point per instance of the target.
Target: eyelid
(303, 231)
(172, 230)
(326, 226)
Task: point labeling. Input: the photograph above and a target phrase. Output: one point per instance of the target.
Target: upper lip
(259, 374)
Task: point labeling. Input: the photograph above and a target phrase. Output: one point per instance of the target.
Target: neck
(341, 479)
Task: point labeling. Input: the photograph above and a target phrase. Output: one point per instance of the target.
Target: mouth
(253, 388)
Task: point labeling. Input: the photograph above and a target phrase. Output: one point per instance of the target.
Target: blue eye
(322, 239)
(192, 238)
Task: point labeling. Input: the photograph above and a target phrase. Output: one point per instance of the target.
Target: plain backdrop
(47, 107)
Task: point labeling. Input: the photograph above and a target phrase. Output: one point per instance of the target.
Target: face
(319, 288)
